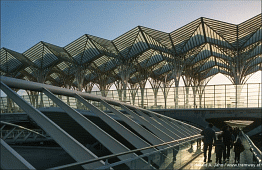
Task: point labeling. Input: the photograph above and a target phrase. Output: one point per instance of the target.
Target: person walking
(238, 148)
(219, 149)
(209, 138)
(227, 139)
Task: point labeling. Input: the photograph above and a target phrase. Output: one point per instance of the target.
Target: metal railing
(210, 96)
(257, 154)
(12, 133)
(215, 96)
(176, 154)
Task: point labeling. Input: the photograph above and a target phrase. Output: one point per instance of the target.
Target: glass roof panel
(181, 35)
(159, 36)
(40, 55)
(76, 47)
(35, 52)
(247, 28)
(106, 44)
(8, 62)
(124, 42)
(226, 30)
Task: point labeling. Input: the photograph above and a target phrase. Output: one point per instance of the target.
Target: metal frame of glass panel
(195, 53)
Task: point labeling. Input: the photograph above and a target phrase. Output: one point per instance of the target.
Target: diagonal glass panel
(248, 28)
(41, 56)
(8, 62)
(58, 51)
(226, 30)
(195, 40)
(76, 47)
(124, 42)
(138, 47)
(181, 35)
(106, 44)
(159, 36)
(155, 44)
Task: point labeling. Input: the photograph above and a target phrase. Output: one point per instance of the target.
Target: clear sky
(25, 23)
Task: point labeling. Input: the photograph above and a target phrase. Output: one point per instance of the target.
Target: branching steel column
(67, 142)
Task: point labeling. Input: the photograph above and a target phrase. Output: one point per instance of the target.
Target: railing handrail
(21, 127)
(253, 147)
(194, 137)
(97, 91)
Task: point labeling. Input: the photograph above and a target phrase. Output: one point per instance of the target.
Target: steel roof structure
(195, 52)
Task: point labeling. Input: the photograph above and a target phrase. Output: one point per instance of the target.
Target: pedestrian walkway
(246, 161)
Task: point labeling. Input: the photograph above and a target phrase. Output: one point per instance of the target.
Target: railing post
(259, 91)
(247, 95)
(214, 96)
(106, 164)
(225, 96)
(205, 98)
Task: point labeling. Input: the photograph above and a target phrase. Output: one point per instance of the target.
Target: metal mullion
(141, 45)
(132, 43)
(48, 50)
(144, 37)
(190, 38)
(134, 52)
(221, 36)
(91, 46)
(7, 67)
(94, 45)
(48, 57)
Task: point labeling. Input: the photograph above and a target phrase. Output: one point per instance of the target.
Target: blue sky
(25, 23)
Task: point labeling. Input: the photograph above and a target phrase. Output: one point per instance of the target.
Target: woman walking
(238, 148)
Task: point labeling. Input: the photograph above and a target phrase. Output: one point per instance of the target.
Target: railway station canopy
(195, 53)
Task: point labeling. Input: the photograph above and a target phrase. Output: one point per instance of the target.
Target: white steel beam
(189, 129)
(178, 126)
(119, 128)
(67, 142)
(10, 159)
(160, 124)
(104, 138)
(27, 85)
(166, 123)
(149, 126)
(197, 130)
(153, 139)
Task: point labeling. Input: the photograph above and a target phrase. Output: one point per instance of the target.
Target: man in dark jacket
(209, 138)
(219, 149)
(227, 139)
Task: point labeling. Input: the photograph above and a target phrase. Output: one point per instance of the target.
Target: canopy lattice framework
(195, 52)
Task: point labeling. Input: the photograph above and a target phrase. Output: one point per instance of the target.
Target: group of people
(224, 142)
